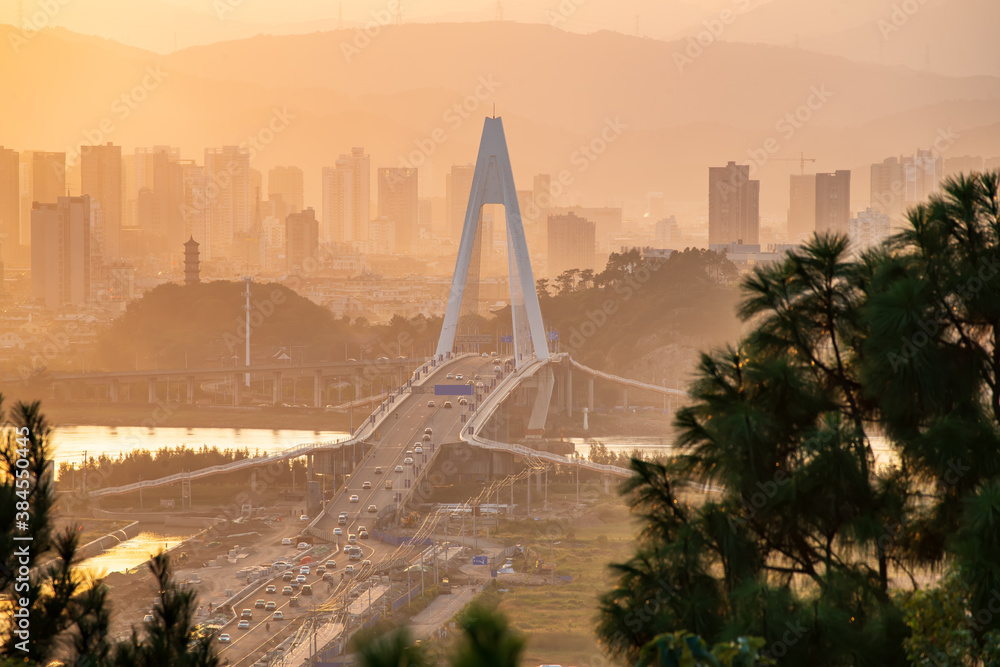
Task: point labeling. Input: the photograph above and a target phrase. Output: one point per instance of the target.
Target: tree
(803, 530)
(69, 617)
(487, 640)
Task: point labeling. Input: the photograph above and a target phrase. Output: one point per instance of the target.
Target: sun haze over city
(499, 332)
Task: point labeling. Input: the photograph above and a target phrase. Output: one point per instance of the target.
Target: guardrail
(626, 381)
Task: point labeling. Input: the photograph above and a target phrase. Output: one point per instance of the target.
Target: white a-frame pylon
(493, 183)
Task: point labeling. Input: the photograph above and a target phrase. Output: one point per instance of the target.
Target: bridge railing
(626, 381)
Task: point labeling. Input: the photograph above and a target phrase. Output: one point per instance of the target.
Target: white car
(301, 578)
(408, 461)
(417, 449)
(372, 509)
(429, 431)
(354, 499)
(243, 625)
(286, 542)
(430, 404)
(451, 376)
(224, 638)
(485, 356)
(303, 517)
(349, 569)
(458, 377)
(399, 468)
(302, 546)
(278, 616)
(304, 569)
(365, 486)
(338, 531)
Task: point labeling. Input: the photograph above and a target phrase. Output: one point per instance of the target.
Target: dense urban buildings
(101, 178)
(10, 206)
(867, 229)
(398, 202)
(301, 239)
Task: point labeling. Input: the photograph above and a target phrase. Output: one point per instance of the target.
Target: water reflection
(130, 553)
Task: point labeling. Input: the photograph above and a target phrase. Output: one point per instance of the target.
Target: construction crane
(801, 159)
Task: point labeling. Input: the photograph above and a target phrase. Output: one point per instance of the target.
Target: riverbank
(187, 416)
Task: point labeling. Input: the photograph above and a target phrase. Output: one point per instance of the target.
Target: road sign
(453, 389)
(480, 560)
(506, 339)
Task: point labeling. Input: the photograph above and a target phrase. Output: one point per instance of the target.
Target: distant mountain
(956, 37)
(667, 119)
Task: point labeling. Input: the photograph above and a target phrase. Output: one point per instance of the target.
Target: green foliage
(802, 530)
(487, 640)
(683, 649)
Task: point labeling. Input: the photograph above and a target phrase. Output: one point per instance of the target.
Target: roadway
(396, 436)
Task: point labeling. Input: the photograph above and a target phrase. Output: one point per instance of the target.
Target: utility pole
(246, 308)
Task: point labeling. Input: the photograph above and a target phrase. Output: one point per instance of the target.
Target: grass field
(560, 623)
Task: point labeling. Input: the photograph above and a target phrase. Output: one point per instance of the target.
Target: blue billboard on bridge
(453, 390)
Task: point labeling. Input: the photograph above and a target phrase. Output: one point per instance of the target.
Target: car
(148, 618)
(328, 576)
(331, 564)
(459, 376)
(388, 483)
(302, 546)
(352, 538)
(447, 404)
(287, 590)
(301, 578)
(418, 450)
(303, 517)
(304, 570)
(259, 604)
(296, 585)
(247, 613)
(338, 531)
(451, 376)
(481, 386)
(478, 376)
(399, 468)
(349, 569)
(286, 542)
(355, 499)
(372, 509)
(367, 563)
(383, 358)
(278, 616)
(463, 401)
(408, 461)
(429, 431)
(363, 534)
(288, 576)
(294, 602)
(409, 452)
(280, 565)
(342, 519)
(426, 438)
(378, 470)
(354, 554)
(270, 606)
(366, 485)
(224, 638)
(320, 571)
(307, 589)
(485, 355)
(430, 404)
(271, 588)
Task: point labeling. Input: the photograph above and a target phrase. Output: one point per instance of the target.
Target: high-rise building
(338, 203)
(733, 205)
(10, 206)
(397, 201)
(301, 238)
(425, 215)
(897, 184)
(458, 187)
(667, 233)
(227, 190)
(572, 243)
(867, 229)
(159, 196)
(286, 183)
(48, 177)
(60, 251)
(833, 201)
(101, 178)
(802, 205)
